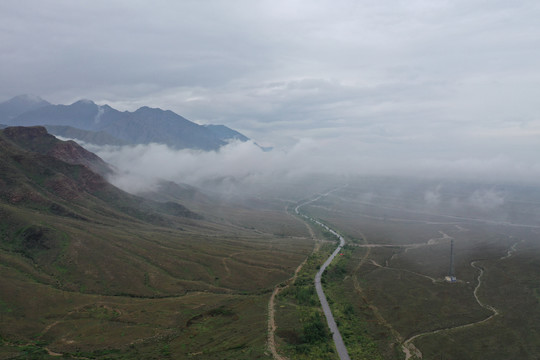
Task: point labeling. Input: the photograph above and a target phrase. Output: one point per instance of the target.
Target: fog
(488, 191)
(243, 165)
(417, 88)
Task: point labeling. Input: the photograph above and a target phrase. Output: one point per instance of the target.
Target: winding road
(336, 335)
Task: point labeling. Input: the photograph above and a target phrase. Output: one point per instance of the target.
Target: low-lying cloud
(486, 199)
(243, 165)
(432, 197)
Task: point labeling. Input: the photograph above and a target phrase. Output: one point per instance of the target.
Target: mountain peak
(84, 102)
(148, 109)
(28, 99)
(20, 104)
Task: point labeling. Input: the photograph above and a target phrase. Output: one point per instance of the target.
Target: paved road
(340, 345)
(336, 335)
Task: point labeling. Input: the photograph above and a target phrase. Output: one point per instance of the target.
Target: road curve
(336, 335)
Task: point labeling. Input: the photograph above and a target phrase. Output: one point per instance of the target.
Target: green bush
(315, 330)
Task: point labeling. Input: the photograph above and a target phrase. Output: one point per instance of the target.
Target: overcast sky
(433, 81)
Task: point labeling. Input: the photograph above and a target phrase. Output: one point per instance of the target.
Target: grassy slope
(154, 274)
(94, 272)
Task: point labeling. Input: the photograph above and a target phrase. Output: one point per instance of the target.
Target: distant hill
(101, 125)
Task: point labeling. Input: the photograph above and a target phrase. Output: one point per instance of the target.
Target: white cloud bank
(243, 165)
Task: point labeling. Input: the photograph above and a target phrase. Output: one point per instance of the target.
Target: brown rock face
(37, 139)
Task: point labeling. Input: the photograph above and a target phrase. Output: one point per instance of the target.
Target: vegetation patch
(364, 338)
(302, 330)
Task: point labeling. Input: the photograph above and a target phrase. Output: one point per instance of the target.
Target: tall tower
(452, 275)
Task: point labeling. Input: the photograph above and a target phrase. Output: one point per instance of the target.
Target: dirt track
(494, 311)
(271, 304)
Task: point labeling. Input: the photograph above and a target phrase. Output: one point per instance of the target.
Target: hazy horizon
(431, 88)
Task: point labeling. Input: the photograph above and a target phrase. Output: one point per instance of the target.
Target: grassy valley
(388, 290)
(89, 271)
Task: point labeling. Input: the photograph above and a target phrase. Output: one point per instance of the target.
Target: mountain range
(103, 125)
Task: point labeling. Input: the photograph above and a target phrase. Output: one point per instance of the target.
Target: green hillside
(91, 271)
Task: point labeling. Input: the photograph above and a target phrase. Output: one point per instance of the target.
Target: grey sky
(432, 81)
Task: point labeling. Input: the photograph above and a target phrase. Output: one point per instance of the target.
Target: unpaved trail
(229, 258)
(511, 251)
(495, 312)
(272, 325)
(49, 351)
(271, 303)
(224, 262)
(408, 349)
(433, 280)
(52, 353)
(475, 293)
(77, 309)
(271, 313)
